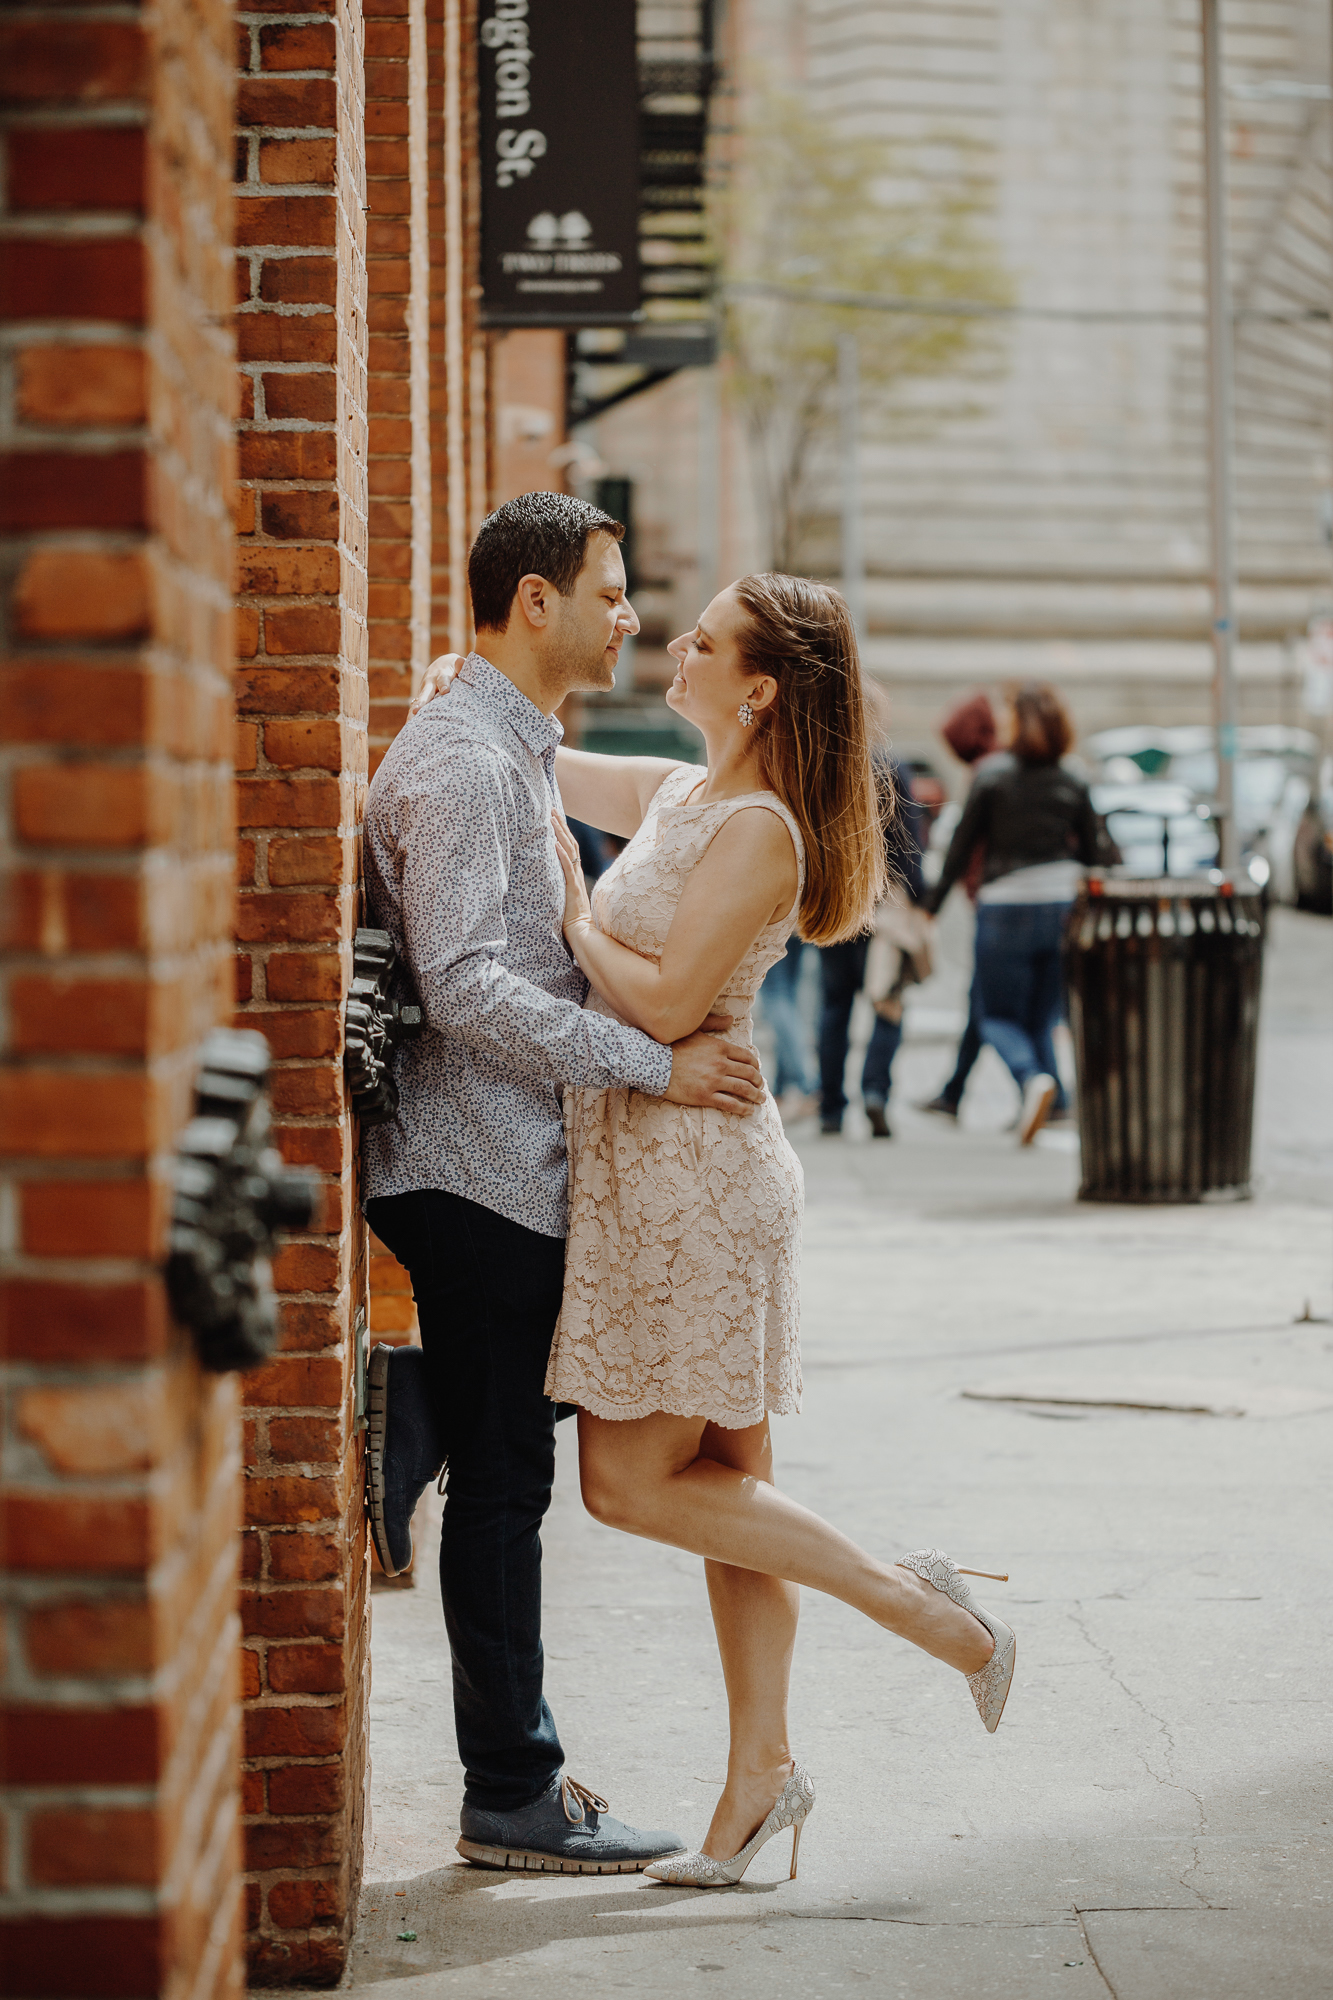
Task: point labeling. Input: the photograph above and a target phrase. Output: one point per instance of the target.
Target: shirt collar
(540, 732)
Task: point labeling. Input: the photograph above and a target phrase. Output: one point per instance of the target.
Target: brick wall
(120, 1469)
(302, 708)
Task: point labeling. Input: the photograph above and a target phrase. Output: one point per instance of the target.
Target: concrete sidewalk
(1152, 1819)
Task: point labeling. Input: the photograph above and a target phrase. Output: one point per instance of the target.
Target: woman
(678, 1333)
(1038, 831)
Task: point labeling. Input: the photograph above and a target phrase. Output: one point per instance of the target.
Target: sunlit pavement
(1151, 1820)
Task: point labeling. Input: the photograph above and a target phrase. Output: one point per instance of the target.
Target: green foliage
(809, 205)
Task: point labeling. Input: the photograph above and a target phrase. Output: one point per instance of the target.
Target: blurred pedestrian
(1036, 824)
(779, 998)
(843, 967)
(970, 731)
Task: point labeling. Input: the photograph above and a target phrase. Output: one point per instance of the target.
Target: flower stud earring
(745, 715)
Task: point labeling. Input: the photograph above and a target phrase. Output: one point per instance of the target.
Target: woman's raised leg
(647, 1477)
(755, 1618)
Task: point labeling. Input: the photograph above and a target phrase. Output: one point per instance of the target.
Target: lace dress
(682, 1270)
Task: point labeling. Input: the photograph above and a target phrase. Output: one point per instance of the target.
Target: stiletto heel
(700, 1871)
(990, 1684)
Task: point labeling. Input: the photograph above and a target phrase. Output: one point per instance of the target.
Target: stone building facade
(1042, 509)
(244, 409)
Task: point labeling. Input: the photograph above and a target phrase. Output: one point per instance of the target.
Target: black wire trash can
(1163, 980)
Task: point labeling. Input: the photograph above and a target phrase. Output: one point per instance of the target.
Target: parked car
(1274, 782)
(1160, 829)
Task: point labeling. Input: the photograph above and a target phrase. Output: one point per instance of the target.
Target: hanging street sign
(559, 90)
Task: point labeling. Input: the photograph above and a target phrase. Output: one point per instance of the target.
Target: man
(842, 969)
(467, 1184)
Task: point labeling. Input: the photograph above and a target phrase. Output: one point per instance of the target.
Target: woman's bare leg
(754, 1617)
(646, 1476)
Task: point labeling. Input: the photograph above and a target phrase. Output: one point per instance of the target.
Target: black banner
(560, 162)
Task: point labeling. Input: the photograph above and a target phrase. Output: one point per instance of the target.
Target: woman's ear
(763, 694)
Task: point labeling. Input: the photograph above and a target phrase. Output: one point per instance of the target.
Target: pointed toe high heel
(700, 1871)
(990, 1684)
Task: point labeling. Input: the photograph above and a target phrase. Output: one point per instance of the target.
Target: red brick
(309, 1961)
(305, 976)
(99, 278)
(92, 1845)
(43, 1320)
(54, 703)
(308, 398)
(284, 1502)
(288, 455)
(306, 1788)
(55, 1954)
(91, 1218)
(95, 1536)
(287, 101)
(300, 517)
(310, 1092)
(245, 745)
(304, 745)
(73, 489)
(304, 1558)
(88, 805)
(72, 61)
(81, 383)
(65, 593)
(315, 1383)
(304, 628)
(49, 1013)
(270, 917)
(292, 1614)
(298, 281)
(293, 1844)
(306, 1267)
(286, 572)
(85, 1746)
(244, 971)
(318, 1146)
(321, 859)
(252, 1684)
(261, 337)
(88, 167)
(297, 1906)
(295, 1732)
(307, 1034)
(310, 45)
(383, 40)
(289, 802)
(88, 1640)
(307, 162)
(49, 1114)
(309, 1669)
(252, 1791)
(304, 219)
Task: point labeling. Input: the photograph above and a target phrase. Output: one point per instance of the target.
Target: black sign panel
(560, 162)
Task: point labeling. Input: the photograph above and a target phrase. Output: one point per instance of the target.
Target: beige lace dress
(682, 1271)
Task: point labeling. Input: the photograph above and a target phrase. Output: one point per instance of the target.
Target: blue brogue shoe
(567, 1831)
(403, 1449)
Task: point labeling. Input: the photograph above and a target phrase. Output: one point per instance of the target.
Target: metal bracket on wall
(234, 1196)
(374, 1023)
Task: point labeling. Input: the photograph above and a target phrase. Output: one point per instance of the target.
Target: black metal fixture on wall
(234, 1196)
(373, 1022)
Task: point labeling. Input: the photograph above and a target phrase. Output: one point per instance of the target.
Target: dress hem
(615, 1413)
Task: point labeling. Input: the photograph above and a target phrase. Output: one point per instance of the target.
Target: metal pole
(853, 537)
(1221, 434)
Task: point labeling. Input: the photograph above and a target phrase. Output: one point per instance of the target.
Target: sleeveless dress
(682, 1269)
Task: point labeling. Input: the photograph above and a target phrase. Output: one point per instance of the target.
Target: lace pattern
(682, 1268)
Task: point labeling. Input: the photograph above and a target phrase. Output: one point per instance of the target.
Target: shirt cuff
(652, 1075)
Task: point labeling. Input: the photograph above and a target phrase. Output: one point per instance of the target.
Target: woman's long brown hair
(813, 746)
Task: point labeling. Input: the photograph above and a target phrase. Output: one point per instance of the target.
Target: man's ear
(533, 598)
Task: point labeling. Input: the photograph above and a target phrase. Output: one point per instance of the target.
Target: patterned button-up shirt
(462, 871)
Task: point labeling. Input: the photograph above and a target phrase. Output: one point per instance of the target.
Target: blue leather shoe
(566, 1831)
(403, 1449)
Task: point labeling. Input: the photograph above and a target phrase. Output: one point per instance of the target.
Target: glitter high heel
(700, 1871)
(990, 1684)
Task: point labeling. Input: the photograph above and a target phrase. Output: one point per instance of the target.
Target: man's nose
(627, 619)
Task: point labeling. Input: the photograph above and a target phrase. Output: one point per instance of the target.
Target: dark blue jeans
(777, 998)
(488, 1294)
(969, 1048)
(842, 971)
(1020, 983)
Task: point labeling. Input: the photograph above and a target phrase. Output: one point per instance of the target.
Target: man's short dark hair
(538, 534)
